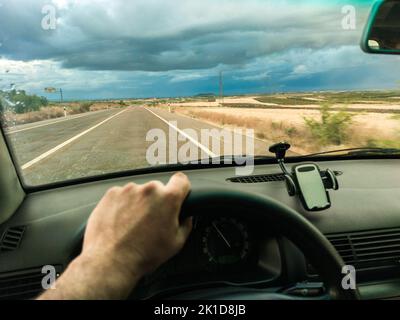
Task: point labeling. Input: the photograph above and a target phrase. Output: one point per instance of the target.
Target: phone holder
(306, 180)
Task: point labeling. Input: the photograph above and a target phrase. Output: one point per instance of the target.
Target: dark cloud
(167, 35)
(141, 48)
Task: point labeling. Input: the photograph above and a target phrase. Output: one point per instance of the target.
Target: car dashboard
(225, 248)
(222, 250)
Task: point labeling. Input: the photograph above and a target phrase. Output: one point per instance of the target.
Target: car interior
(294, 223)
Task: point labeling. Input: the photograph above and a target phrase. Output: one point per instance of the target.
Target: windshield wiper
(235, 158)
(356, 152)
(346, 152)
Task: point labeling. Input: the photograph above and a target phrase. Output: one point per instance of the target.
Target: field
(372, 119)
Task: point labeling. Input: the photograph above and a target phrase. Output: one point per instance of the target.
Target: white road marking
(47, 124)
(62, 145)
(222, 128)
(194, 141)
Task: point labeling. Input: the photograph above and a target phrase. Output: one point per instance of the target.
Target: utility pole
(61, 96)
(221, 87)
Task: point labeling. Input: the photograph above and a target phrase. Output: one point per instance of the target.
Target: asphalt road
(108, 141)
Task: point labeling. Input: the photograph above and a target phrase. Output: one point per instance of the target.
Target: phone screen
(312, 187)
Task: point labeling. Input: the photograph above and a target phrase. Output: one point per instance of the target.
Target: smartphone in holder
(311, 188)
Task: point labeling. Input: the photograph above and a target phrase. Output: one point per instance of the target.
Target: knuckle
(129, 187)
(113, 191)
(150, 187)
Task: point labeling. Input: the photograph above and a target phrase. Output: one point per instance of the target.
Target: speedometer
(225, 242)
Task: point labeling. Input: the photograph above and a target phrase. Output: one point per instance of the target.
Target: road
(107, 141)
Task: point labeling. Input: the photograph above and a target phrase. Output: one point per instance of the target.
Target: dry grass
(97, 106)
(291, 126)
(56, 111)
(29, 117)
(265, 130)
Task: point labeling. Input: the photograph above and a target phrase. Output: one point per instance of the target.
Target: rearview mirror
(382, 33)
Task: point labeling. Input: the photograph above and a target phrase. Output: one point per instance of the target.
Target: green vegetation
(378, 97)
(332, 128)
(380, 143)
(209, 97)
(384, 143)
(85, 107)
(352, 97)
(24, 102)
(260, 135)
(291, 132)
(287, 100)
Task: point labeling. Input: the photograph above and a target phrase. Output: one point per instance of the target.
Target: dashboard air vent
(21, 285)
(266, 178)
(11, 239)
(378, 249)
(258, 179)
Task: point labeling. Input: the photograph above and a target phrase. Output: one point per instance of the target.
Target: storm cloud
(140, 44)
(166, 35)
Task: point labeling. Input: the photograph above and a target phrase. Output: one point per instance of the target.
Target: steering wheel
(288, 223)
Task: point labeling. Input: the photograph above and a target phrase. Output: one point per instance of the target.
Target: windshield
(95, 87)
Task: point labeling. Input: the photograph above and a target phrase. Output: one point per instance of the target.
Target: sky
(101, 49)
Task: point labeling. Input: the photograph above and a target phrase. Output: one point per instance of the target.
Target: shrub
(332, 128)
(26, 103)
(85, 107)
(291, 131)
(276, 125)
(382, 143)
(260, 135)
